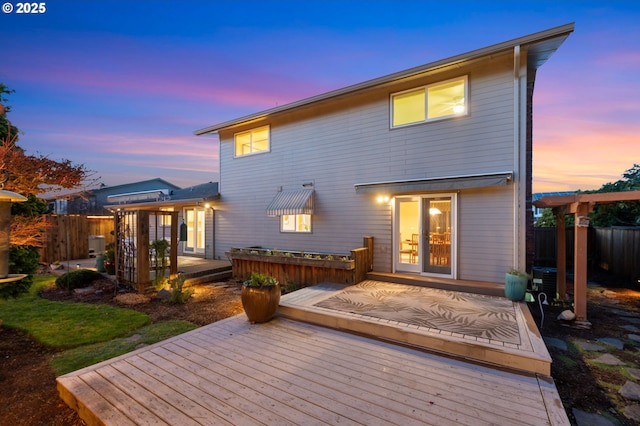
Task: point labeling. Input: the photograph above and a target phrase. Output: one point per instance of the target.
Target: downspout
(516, 155)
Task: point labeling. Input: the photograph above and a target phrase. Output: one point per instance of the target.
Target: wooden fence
(67, 237)
(616, 249)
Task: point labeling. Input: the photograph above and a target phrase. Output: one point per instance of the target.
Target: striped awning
(291, 202)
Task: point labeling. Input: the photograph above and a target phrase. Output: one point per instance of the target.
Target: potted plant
(110, 259)
(260, 297)
(515, 284)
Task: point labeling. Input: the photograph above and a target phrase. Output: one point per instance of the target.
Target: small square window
(295, 223)
(252, 141)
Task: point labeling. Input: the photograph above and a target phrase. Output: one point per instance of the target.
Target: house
(193, 205)
(433, 162)
(93, 201)
(537, 211)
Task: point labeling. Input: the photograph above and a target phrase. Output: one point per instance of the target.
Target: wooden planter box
(292, 269)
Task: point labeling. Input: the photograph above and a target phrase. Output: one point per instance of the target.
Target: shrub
(178, 293)
(77, 279)
(22, 260)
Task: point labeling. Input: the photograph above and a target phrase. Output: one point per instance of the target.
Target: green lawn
(96, 332)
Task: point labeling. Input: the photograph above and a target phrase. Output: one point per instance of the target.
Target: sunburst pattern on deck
(469, 314)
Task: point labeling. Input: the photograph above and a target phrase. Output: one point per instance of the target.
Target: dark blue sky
(121, 85)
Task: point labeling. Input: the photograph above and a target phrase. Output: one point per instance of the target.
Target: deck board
(286, 372)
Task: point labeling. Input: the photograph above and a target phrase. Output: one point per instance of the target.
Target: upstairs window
(252, 141)
(434, 102)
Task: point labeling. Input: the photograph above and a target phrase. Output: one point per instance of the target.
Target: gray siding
(348, 141)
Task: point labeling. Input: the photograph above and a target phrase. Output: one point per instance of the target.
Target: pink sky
(121, 89)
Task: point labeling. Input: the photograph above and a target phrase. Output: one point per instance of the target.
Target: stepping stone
(625, 313)
(588, 346)
(631, 328)
(630, 390)
(617, 343)
(556, 343)
(590, 419)
(634, 372)
(133, 338)
(634, 337)
(609, 360)
(632, 412)
(635, 321)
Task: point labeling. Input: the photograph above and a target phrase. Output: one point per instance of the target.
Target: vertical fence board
(67, 236)
(616, 250)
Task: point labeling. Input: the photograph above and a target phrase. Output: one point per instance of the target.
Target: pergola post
(581, 210)
(173, 248)
(142, 251)
(561, 252)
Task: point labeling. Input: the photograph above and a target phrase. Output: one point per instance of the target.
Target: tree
(622, 213)
(548, 219)
(29, 175)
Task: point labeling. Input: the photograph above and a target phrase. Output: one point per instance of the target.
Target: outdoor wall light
(383, 199)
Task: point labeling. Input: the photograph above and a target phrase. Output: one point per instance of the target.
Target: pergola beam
(579, 205)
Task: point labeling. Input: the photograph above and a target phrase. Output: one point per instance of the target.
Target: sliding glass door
(425, 229)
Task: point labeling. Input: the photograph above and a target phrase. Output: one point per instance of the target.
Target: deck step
(529, 357)
(477, 287)
(209, 277)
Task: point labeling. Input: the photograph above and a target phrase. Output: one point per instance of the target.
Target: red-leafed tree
(29, 175)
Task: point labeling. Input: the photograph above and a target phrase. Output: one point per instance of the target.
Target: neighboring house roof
(144, 199)
(539, 47)
(105, 190)
(538, 195)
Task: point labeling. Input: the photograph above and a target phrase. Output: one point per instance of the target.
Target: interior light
(434, 210)
(458, 109)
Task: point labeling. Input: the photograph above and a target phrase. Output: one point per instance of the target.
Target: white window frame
(425, 89)
(251, 133)
(295, 225)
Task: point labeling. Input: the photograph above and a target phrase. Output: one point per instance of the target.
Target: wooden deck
(526, 353)
(290, 372)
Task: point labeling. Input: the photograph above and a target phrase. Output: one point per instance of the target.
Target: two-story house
(434, 162)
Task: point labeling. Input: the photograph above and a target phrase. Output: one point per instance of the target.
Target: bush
(22, 260)
(77, 279)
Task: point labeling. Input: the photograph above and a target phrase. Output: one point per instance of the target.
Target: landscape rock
(617, 343)
(591, 419)
(632, 412)
(588, 346)
(163, 294)
(567, 315)
(634, 372)
(634, 337)
(609, 360)
(625, 313)
(630, 390)
(556, 343)
(84, 291)
(133, 338)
